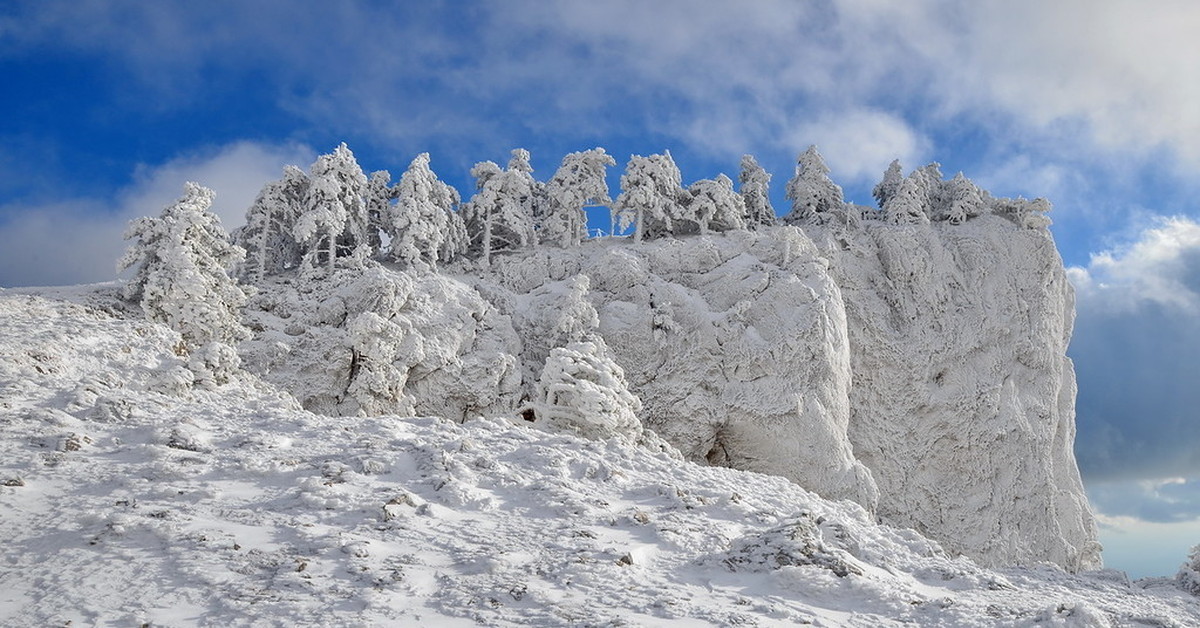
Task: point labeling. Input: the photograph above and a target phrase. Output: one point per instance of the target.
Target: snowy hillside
(132, 496)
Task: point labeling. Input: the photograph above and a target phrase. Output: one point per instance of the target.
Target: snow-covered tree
(1027, 214)
(885, 189)
(333, 221)
(583, 391)
(419, 222)
(715, 205)
(931, 182)
(650, 193)
(811, 191)
(267, 235)
(962, 200)
(907, 205)
(755, 191)
(1188, 577)
(500, 215)
(579, 182)
(182, 261)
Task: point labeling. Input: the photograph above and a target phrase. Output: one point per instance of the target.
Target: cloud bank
(1136, 333)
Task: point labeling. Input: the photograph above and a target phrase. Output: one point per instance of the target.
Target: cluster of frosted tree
(336, 211)
(921, 197)
(310, 221)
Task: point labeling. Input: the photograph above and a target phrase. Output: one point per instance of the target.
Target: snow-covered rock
(735, 344)
(963, 399)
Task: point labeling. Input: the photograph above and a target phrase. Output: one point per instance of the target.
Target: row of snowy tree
(336, 210)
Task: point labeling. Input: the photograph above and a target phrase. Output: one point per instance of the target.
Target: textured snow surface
(131, 496)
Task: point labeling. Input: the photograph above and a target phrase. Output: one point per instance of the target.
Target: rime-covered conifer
(333, 222)
(811, 191)
(715, 206)
(182, 261)
(755, 190)
(887, 187)
(500, 215)
(267, 235)
(378, 198)
(419, 222)
(962, 199)
(579, 182)
(583, 391)
(907, 205)
(650, 193)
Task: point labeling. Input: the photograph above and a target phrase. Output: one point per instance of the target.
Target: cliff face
(920, 371)
(963, 400)
(736, 346)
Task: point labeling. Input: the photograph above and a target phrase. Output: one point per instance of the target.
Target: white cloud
(1137, 351)
(1162, 266)
(79, 241)
(858, 144)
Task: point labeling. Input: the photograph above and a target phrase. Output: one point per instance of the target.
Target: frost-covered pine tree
(1025, 213)
(419, 222)
(887, 187)
(716, 206)
(579, 182)
(183, 259)
(962, 199)
(811, 191)
(755, 191)
(333, 222)
(267, 235)
(932, 184)
(650, 191)
(500, 215)
(583, 391)
(907, 205)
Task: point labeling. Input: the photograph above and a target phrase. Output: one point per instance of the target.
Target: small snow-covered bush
(795, 543)
(1188, 577)
(582, 390)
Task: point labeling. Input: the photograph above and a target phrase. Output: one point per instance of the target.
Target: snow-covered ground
(131, 496)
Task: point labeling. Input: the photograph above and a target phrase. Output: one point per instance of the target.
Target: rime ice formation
(131, 496)
(963, 399)
(911, 358)
(736, 346)
(921, 368)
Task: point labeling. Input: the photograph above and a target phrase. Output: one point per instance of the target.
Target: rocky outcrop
(963, 399)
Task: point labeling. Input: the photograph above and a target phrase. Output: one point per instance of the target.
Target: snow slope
(131, 495)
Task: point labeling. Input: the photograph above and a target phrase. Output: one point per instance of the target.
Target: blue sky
(108, 107)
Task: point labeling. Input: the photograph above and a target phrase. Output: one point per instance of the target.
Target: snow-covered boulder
(381, 342)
